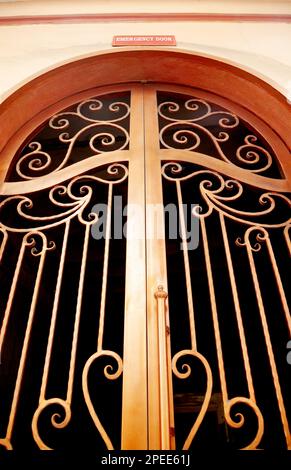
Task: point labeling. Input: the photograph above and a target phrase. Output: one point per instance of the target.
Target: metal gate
(145, 250)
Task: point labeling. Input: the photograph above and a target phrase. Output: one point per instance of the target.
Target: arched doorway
(152, 310)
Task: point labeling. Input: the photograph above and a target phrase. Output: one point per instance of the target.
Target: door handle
(163, 331)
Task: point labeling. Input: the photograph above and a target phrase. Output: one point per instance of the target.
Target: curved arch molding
(19, 110)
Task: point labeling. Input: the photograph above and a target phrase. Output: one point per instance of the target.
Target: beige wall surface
(41, 7)
(27, 51)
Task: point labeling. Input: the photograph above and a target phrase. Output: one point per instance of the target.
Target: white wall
(27, 51)
(40, 7)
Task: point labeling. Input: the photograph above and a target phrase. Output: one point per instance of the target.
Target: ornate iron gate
(115, 337)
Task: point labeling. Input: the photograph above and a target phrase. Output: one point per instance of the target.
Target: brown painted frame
(28, 106)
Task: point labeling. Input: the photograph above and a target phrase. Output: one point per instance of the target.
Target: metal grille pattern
(193, 124)
(137, 335)
(232, 298)
(88, 129)
(61, 289)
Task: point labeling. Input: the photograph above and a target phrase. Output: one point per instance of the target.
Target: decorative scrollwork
(88, 129)
(221, 194)
(198, 110)
(67, 201)
(260, 235)
(184, 374)
(197, 125)
(30, 216)
(57, 420)
(256, 214)
(37, 160)
(240, 420)
(38, 246)
(110, 373)
(253, 154)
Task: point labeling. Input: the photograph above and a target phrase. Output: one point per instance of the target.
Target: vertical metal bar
(279, 283)
(105, 269)
(43, 401)
(214, 312)
(237, 309)
(134, 393)
(54, 314)
(228, 403)
(161, 297)
(3, 242)
(272, 361)
(161, 409)
(12, 293)
(287, 237)
(7, 440)
(78, 315)
(187, 268)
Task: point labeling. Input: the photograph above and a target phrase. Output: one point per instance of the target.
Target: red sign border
(152, 40)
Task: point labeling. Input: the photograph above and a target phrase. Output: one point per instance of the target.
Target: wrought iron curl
(57, 420)
(240, 419)
(195, 122)
(111, 373)
(184, 373)
(252, 154)
(36, 162)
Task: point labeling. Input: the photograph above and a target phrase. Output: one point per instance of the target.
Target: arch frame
(34, 102)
